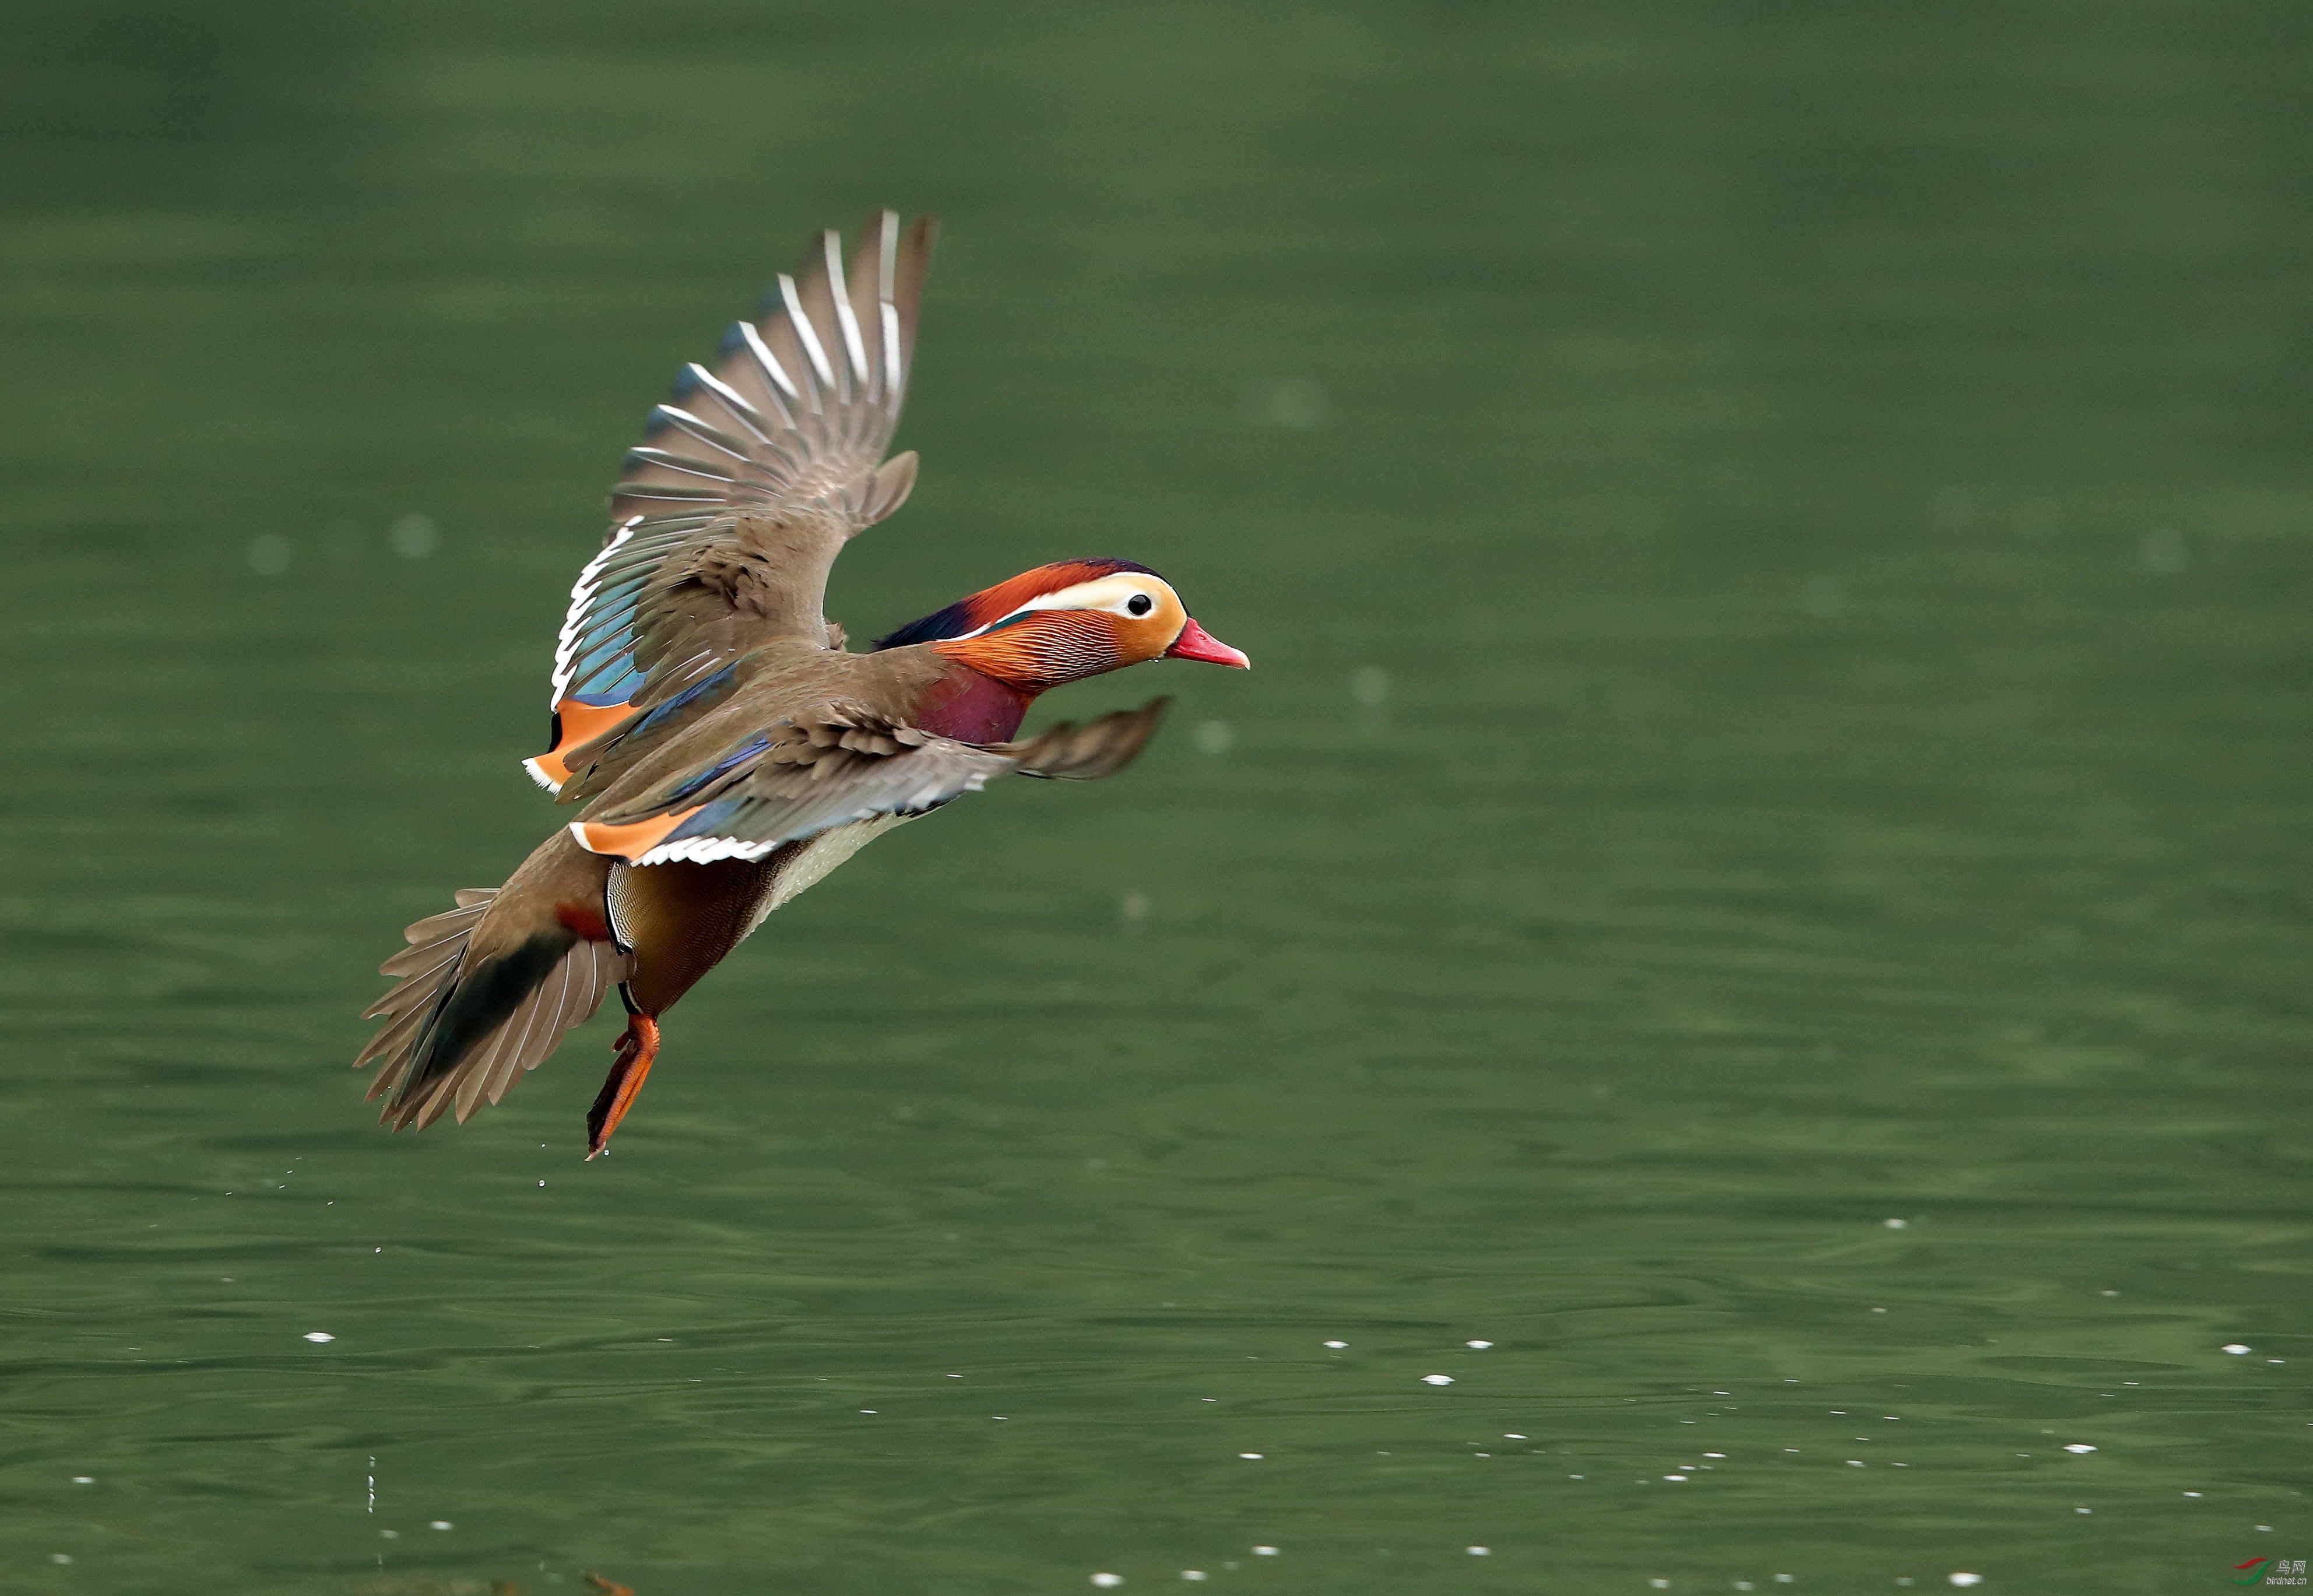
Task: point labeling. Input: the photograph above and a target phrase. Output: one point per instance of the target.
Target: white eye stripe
(1112, 594)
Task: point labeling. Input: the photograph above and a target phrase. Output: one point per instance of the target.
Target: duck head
(1065, 621)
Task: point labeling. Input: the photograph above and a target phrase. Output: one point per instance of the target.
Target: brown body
(722, 746)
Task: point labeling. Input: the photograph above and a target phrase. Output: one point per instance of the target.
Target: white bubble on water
(1479, 1346)
(1337, 1346)
(1250, 1457)
(1823, 597)
(1108, 1579)
(1896, 1224)
(1438, 1379)
(83, 1480)
(1193, 1573)
(414, 536)
(441, 1524)
(2163, 551)
(2080, 1446)
(2234, 1347)
(268, 555)
(1966, 1579)
(317, 1335)
(1479, 1551)
(1297, 403)
(1264, 1551)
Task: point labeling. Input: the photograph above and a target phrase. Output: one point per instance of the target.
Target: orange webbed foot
(638, 1046)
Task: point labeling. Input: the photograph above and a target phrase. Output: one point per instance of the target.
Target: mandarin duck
(726, 748)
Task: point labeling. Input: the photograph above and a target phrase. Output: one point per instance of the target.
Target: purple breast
(973, 709)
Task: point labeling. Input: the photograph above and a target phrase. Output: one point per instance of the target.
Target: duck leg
(638, 1048)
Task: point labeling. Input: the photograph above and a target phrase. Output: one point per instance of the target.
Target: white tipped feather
(736, 403)
(581, 599)
(853, 347)
(769, 362)
(804, 330)
(705, 431)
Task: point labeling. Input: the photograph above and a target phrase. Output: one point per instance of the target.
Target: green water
(1761, 870)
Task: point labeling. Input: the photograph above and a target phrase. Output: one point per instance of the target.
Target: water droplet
(1215, 737)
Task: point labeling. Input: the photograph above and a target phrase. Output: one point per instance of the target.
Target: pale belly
(810, 864)
(681, 919)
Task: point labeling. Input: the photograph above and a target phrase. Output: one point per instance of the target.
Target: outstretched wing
(746, 485)
(838, 765)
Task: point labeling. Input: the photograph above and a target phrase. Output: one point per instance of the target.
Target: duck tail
(488, 988)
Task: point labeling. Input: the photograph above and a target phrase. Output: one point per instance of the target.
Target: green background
(1773, 539)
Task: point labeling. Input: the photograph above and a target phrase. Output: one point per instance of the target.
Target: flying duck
(725, 748)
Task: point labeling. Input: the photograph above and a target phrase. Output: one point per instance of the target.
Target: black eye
(1139, 603)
